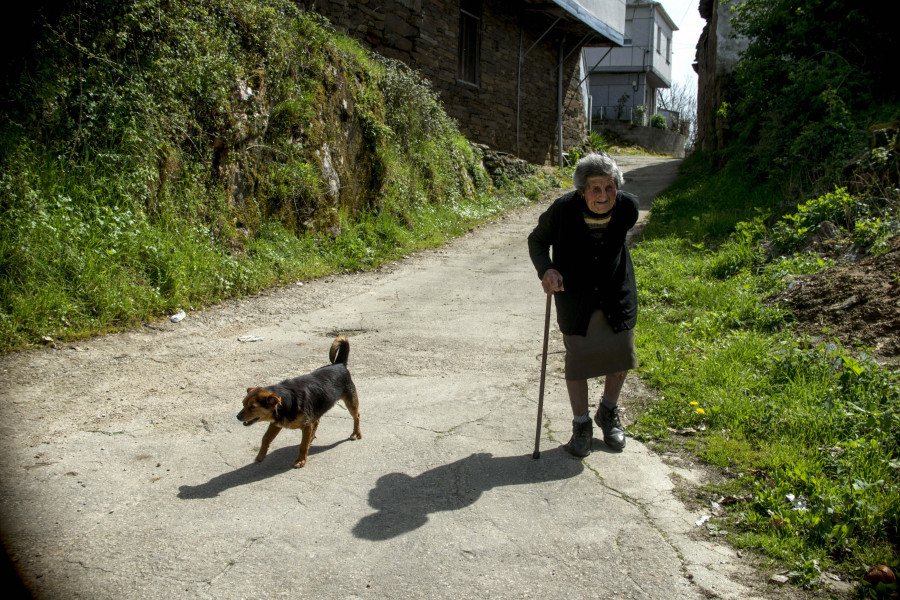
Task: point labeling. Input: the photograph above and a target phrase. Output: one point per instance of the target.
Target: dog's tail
(340, 350)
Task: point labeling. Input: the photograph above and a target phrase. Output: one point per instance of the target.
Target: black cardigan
(597, 273)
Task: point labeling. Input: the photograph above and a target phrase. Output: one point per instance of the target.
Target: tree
(681, 98)
(814, 77)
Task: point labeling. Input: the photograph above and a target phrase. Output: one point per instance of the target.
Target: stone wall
(501, 165)
(706, 78)
(423, 34)
(717, 52)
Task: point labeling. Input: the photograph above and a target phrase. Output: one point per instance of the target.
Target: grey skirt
(601, 352)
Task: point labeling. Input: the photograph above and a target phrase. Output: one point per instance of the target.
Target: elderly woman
(592, 280)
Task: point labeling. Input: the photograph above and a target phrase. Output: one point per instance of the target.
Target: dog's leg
(268, 436)
(351, 401)
(308, 433)
(314, 430)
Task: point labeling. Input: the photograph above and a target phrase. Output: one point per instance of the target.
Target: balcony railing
(613, 113)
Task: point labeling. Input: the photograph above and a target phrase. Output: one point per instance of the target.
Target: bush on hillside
(812, 81)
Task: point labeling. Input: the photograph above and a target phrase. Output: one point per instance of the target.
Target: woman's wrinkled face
(600, 193)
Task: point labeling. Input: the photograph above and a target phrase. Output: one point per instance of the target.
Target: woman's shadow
(404, 503)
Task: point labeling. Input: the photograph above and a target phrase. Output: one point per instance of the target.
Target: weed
(594, 142)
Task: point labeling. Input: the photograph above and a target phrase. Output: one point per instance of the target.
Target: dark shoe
(580, 442)
(613, 432)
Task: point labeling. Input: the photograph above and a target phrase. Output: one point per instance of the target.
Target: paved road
(126, 475)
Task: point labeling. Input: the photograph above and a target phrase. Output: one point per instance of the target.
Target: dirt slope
(859, 304)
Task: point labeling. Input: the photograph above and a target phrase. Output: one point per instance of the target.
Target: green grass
(72, 271)
(807, 432)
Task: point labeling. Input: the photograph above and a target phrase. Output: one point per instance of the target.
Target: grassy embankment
(166, 155)
(807, 432)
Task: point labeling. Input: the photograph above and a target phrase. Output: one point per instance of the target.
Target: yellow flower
(701, 411)
(694, 403)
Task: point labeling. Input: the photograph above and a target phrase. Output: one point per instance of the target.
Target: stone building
(718, 49)
(509, 72)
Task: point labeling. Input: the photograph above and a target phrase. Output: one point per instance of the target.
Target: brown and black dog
(299, 403)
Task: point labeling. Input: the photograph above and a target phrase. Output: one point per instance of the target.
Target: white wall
(614, 86)
(662, 46)
(728, 46)
(611, 12)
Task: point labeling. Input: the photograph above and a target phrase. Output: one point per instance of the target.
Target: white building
(623, 81)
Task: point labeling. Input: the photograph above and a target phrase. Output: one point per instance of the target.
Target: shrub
(640, 114)
(658, 121)
(594, 142)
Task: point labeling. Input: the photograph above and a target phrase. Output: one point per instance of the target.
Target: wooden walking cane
(537, 435)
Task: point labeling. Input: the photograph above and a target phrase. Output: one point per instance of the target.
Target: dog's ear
(270, 399)
(250, 390)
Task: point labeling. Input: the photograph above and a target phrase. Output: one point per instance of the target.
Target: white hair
(590, 165)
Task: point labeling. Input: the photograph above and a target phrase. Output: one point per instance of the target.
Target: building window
(659, 40)
(669, 50)
(469, 52)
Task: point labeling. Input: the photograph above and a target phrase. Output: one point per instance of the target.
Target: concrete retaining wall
(654, 140)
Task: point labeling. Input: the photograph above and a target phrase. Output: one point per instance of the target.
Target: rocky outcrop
(501, 165)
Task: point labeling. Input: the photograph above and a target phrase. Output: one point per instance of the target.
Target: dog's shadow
(404, 503)
(277, 462)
